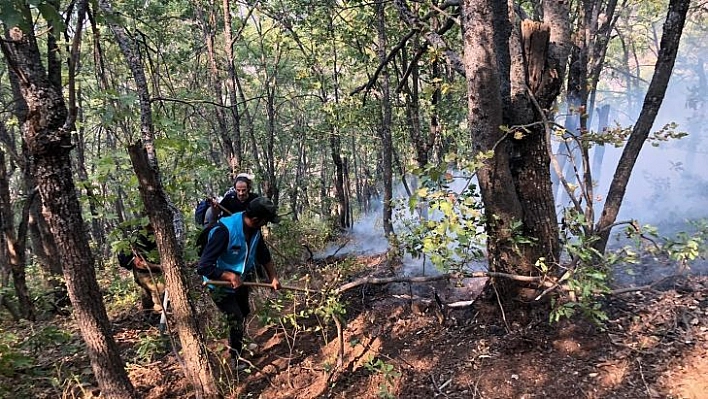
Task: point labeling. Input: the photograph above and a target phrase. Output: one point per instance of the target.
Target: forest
(470, 198)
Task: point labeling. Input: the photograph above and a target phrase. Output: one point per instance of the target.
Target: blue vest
(240, 256)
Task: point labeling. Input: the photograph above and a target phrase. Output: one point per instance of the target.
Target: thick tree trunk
(199, 368)
(516, 76)
(670, 39)
(537, 80)
(45, 249)
(49, 143)
(502, 206)
(42, 240)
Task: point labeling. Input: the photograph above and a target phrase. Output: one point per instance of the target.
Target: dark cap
(263, 208)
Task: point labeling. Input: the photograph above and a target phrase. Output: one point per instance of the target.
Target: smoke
(668, 185)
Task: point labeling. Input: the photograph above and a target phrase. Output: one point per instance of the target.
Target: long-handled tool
(254, 284)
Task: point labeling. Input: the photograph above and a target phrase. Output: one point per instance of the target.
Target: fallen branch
(631, 289)
(423, 279)
(400, 279)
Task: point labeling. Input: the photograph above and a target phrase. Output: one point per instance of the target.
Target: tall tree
(515, 180)
(324, 68)
(15, 237)
(47, 133)
(670, 39)
(167, 222)
(385, 128)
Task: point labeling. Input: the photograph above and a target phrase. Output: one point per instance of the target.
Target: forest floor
(398, 343)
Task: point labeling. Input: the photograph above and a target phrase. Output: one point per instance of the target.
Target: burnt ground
(398, 343)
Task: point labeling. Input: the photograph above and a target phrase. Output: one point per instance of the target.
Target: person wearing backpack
(236, 199)
(144, 262)
(231, 253)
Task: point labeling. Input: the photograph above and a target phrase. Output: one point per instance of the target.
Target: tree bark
(49, 143)
(484, 99)
(515, 75)
(15, 240)
(385, 128)
(236, 157)
(45, 249)
(199, 368)
(166, 221)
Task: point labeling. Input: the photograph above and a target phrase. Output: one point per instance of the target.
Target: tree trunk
(335, 148)
(82, 174)
(42, 240)
(15, 242)
(514, 76)
(595, 24)
(670, 39)
(236, 157)
(539, 79)
(166, 220)
(385, 129)
(271, 183)
(45, 249)
(49, 143)
(603, 122)
(199, 369)
(412, 100)
(484, 99)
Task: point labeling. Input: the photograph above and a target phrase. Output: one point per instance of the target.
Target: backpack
(125, 261)
(204, 237)
(200, 211)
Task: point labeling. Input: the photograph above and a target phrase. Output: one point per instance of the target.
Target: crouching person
(143, 260)
(233, 250)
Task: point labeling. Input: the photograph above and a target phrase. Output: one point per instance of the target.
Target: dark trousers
(235, 306)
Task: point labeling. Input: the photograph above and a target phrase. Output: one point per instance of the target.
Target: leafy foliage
(451, 235)
(387, 371)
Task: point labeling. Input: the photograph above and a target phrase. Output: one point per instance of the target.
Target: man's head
(242, 186)
(262, 210)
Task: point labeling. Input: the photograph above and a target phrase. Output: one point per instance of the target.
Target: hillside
(398, 343)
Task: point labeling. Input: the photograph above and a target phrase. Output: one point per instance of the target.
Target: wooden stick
(254, 284)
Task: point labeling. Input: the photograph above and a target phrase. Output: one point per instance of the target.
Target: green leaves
(449, 229)
(50, 14)
(15, 13)
(18, 13)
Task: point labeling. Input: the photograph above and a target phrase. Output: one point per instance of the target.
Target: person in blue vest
(233, 250)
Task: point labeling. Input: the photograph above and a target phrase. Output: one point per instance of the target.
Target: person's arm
(270, 269)
(145, 251)
(125, 260)
(141, 263)
(215, 246)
